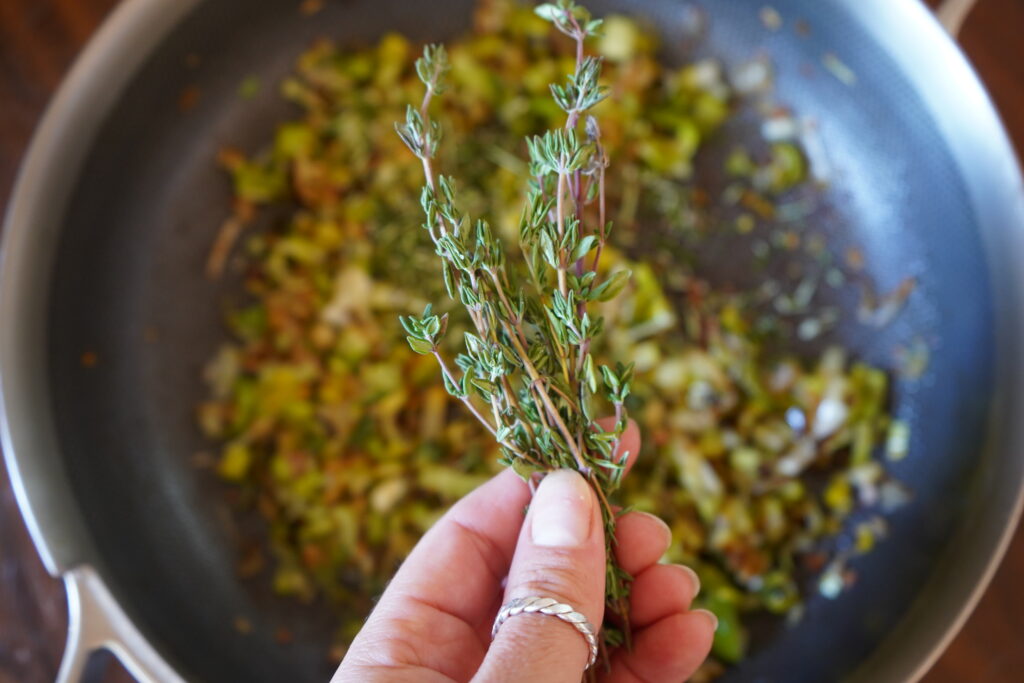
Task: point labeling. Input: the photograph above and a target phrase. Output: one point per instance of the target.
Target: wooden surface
(39, 39)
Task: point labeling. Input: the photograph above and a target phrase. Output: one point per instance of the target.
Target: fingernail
(711, 617)
(665, 527)
(561, 510)
(694, 579)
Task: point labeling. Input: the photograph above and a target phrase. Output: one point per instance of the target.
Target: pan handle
(95, 622)
(952, 13)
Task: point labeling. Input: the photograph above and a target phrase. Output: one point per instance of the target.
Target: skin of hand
(433, 623)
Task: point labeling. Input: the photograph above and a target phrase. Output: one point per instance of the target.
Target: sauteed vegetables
(765, 465)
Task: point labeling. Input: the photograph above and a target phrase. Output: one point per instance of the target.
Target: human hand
(433, 623)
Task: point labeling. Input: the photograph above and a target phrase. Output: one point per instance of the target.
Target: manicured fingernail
(694, 579)
(711, 617)
(561, 511)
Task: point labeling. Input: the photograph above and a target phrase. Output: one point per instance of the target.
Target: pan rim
(66, 134)
(35, 212)
(933, 61)
(42, 188)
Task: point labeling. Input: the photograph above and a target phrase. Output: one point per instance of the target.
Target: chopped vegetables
(839, 69)
(912, 359)
(877, 312)
(897, 442)
(771, 18)
(341, 437)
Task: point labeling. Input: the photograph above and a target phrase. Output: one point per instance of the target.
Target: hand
(433, 623)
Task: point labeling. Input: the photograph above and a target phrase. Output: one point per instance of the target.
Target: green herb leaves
(527, 372)
(425, 332)
(432, 67)
(422, 138)
(556, 152)
(582, 91)
(571, 19)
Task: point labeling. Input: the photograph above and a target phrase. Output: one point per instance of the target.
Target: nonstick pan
(115, 210)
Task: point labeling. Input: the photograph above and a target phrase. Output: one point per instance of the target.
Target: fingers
(661, 591)
(668, 650)
(669, 641)
(435, 616)
(641, 541)
(436, 613)
(560, 555)
(478, 536)
(658, 590)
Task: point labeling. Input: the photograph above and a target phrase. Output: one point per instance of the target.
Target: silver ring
(551, 607)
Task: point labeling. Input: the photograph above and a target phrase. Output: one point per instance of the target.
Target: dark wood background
(38, 41)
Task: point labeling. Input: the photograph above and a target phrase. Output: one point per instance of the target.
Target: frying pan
(114, 212)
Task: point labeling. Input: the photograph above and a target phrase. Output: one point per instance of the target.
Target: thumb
(561, 555)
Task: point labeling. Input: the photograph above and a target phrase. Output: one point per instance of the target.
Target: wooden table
(38, 41)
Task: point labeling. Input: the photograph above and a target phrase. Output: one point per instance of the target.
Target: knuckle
(397, 647)
(561, 584)
(562, 581)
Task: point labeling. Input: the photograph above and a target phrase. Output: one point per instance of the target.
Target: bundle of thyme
(528, 374)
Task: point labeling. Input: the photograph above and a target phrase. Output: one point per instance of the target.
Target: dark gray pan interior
(150, 199)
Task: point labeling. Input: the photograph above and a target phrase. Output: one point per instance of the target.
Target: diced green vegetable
(338, 435)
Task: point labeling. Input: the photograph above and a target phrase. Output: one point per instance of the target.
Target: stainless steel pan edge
(967, 119)
(27, 432)
(93, 86)
(96, 621)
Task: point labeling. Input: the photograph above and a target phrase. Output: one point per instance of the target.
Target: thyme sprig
(527, 372)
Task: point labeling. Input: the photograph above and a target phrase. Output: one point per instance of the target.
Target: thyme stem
(539, 337)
